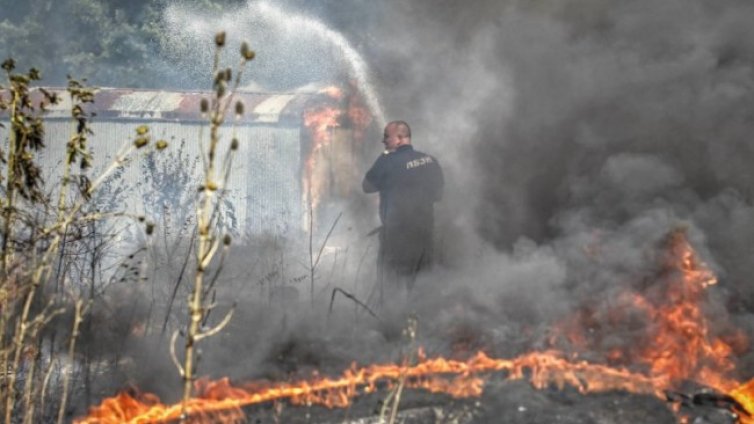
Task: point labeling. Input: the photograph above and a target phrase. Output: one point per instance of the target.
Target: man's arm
(373, 178)
(368, 186)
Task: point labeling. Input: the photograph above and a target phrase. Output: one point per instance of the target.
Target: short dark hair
(404, 129)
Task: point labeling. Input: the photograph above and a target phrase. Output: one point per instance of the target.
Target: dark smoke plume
(569, 117)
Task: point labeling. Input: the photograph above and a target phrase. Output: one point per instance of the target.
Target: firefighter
(409, 183)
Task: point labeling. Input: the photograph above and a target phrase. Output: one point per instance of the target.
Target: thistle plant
(210, 240)
(389, 410)
(35, 228)
(25, 138)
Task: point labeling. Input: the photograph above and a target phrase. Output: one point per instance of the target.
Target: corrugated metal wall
(274, 202)
(264, 190)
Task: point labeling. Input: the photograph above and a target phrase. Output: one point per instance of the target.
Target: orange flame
(221, 402)
(680, 327)
(359, 115)
(320, 121)
(677, 348)
(329, 172)
(744, 395)
(452, 377)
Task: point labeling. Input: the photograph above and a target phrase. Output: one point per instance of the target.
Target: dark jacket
(409, 183)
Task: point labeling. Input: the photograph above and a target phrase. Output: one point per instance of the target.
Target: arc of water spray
(353, 58)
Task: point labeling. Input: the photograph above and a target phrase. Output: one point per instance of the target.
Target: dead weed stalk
(35, 230)
(210, 239)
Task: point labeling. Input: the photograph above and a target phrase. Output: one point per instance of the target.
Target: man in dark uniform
(409, 183)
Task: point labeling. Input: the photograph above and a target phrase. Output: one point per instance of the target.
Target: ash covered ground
(277, 334)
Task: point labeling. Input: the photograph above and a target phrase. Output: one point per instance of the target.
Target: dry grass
(41, 230)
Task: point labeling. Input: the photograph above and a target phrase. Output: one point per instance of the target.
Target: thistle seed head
(140, 142)
(19, 79)
(246, 52)
(9, 64)
(220, 39)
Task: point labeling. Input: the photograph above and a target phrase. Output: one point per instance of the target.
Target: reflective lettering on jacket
(409, 183)
(419, 162)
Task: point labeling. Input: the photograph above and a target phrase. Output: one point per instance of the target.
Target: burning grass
(677, 348)
(218, 400)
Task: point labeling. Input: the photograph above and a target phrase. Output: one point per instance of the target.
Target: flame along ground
(680, 331)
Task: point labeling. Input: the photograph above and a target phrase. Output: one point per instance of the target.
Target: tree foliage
(108, 42)
(120, 43)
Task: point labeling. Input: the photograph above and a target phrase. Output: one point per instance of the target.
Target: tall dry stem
(314, 261)
(393, 399)
(215, 181)
(78, 317)
(10, 192)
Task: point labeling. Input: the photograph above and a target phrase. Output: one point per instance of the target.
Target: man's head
(397, 134)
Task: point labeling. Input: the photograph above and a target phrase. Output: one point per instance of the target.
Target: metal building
(287, 141)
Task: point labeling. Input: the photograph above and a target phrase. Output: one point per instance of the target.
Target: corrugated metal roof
(151, 105)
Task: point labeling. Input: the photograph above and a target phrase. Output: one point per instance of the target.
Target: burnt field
(191, 242)
(446, 354)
